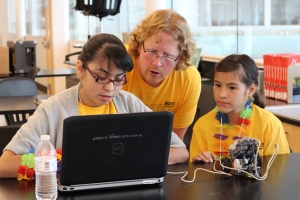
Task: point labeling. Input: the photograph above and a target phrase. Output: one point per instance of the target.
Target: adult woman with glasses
(101, 68)
(162, 77)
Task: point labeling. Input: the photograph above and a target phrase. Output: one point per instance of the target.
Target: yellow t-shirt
(179, 93)
(263, 126)
(105, 109)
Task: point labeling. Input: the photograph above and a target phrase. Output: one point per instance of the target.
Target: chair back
(6, 134)
(17, 86)
(206, 103)
(33, 72)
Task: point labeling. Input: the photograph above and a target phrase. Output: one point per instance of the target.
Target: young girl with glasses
(101, 68)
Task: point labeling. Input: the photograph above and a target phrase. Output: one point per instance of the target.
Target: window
(11, 16)
(35, 17)
(253, 27)
(131, 11)
(285, 12)
(240, 26)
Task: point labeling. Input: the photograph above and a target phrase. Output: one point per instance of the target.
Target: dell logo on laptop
(117, 148)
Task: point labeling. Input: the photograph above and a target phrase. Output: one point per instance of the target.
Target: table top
(282, 183)
(11, 105)
(46, 73)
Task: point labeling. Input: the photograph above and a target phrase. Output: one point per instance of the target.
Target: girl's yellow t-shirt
(109, 108)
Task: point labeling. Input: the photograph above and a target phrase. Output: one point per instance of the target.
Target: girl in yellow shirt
(238, 114)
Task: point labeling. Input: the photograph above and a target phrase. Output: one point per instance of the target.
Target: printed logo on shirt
(169, 104)
(155, 107)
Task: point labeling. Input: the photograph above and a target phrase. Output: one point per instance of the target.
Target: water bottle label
(45, 163)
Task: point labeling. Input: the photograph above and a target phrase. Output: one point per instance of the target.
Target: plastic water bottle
(45, 166)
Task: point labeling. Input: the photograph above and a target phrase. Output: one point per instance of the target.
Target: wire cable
(257, 176)
(191, 181)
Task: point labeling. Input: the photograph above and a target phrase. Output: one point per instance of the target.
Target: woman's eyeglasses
(104, 80)
(153, 55)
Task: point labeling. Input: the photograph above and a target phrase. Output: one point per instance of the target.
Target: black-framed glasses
(104, 80)
(153, 55)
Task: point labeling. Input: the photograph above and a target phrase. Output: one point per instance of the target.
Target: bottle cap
(45, 137)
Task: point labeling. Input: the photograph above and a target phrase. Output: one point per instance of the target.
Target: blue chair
(14, 87)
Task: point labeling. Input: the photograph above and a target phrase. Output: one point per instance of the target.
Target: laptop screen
(115, 147)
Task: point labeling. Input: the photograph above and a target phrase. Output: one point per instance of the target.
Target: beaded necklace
(243, 119)
(82, 105)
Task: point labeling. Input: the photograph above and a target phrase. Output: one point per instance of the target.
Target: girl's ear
(79, 69)
(252, 89)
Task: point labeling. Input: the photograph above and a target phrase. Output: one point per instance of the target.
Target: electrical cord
(191, 181)
(257, 177)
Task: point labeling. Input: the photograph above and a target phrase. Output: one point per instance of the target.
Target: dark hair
(235, 62)
(106, 47)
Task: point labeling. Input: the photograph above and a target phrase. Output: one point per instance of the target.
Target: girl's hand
(205, 157)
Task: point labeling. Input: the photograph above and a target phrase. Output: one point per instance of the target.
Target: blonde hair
(169, 22)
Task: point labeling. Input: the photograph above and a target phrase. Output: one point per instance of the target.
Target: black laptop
(115, 150)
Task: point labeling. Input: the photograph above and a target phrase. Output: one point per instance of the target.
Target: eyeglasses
(104, 80)
(152, 55)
